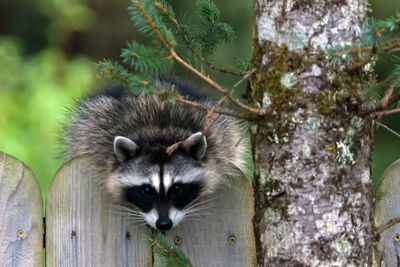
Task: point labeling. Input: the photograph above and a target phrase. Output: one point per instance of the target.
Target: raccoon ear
(125, 148)
(195, 146)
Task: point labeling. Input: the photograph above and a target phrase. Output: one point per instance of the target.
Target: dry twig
(387, 225)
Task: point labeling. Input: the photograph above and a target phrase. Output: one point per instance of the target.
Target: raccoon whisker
(191, 219)
(200, 203)
(205, 200)
(197, 211)
(135, 219)
(127, 217)
(200, 207)
(126, 209)
(125, 212)
(120, 207)
(138, 224)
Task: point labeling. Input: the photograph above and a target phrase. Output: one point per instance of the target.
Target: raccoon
(124, 139)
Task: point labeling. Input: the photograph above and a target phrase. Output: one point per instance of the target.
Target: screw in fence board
(83, 228)
(21, 215)
(221, 235)
(387, 208)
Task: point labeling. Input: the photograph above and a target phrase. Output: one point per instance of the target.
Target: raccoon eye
(176, 189)
(148, 190)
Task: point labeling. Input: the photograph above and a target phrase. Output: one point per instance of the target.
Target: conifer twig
(202, 59)
(152, 24)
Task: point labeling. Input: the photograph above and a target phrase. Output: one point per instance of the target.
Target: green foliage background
(47, 53)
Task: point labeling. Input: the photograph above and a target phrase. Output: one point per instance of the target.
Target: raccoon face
(162, 187)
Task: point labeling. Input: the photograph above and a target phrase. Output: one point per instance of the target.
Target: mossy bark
(312, 151)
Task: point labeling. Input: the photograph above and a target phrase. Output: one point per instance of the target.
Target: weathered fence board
(83, 230)
(221, 235)
(387, 208)
(21, 217)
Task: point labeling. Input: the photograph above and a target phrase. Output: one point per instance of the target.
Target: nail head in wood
(20, 233)
(177, 240)
(397, 237)
(232, 239)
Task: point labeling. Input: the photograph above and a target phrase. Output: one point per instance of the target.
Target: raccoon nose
(164, 224)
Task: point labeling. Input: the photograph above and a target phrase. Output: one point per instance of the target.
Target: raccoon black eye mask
(124, 139)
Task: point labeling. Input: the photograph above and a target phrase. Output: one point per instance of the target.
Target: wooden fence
(83, 229)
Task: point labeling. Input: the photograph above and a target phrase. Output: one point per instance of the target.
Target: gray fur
(151, 125)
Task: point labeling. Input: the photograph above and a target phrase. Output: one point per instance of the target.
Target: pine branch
(258, 111)
(146, 59)
(170, 255)
(118, 73)
(152, 24)
(169, 16)
(380, 36)
(212, 32)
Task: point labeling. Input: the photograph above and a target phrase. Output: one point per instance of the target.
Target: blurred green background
(48, 51)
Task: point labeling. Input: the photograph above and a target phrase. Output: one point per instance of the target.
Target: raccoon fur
(124, 139)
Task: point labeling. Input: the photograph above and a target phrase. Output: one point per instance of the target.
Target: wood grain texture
(206, 238)
(387, 208)
(21, 215)
(82, 228)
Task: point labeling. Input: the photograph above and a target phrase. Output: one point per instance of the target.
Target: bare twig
(180, 99)
(258, 111)
(387, 225)
(245, 77)
(388, 112)
(219, 69)
(387, 128)
(172, 147)
(209, 120)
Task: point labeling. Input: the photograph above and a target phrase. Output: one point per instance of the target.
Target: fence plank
(81, 229)
(221, 235)
(21, 215)
(387, 208)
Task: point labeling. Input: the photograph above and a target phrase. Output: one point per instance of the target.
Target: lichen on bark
(312, 152)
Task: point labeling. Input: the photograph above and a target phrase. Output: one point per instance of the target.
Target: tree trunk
(312, 152)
